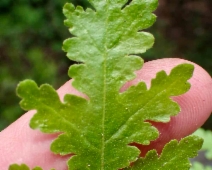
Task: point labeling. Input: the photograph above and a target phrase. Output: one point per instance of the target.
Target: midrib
(103, 114)
(104, 97)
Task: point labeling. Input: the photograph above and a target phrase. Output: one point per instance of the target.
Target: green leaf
(207, 136)
(97, 131)
(173, 157)
(22, 167)
(104, 40)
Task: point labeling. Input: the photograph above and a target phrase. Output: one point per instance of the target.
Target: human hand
(20, 144)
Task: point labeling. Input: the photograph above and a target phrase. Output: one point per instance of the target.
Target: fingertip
(196, 104)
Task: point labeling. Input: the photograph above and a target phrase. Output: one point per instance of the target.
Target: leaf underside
(99, 129)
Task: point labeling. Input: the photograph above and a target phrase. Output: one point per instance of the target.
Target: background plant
(204, 159)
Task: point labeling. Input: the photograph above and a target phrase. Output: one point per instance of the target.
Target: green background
(32, 32)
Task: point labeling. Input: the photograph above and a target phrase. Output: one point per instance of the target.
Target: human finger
(24, 145)
(196, 104)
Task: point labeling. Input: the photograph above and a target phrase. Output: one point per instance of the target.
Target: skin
(20, 144)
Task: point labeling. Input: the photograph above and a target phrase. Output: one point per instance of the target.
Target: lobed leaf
(93, 139)
(97, 131)
(174, 156)
(22, 167)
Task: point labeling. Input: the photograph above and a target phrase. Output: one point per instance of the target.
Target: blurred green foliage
(32, 32)
(183, 30)
(204, 159)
